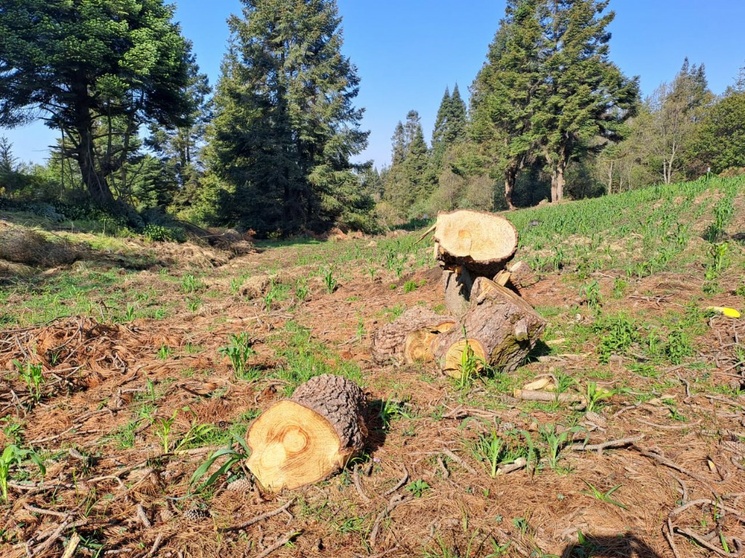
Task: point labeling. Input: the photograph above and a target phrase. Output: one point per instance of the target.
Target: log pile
(488, 320)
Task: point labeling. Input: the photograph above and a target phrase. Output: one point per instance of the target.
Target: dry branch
(258, 518)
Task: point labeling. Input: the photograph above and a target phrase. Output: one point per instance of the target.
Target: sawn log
(308, 437)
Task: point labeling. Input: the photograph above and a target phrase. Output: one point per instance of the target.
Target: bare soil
(658, 470)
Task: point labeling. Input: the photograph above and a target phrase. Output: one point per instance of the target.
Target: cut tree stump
(481, 242)
(409, 339)
(499, 327)
(309, 437)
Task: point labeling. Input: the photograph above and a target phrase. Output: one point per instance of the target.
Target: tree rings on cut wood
(309, 437)
(499, 324)
(409, 339)
(481, 242)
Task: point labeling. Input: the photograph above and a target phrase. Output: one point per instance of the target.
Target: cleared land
(126, 370)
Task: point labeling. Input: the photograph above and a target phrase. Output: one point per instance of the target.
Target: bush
(161, 233)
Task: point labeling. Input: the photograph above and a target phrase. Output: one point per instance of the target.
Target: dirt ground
(658, 470)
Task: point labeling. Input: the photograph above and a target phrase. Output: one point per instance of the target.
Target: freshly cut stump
(410, 338)
(309, 437)
(481, 242)
(499, 327)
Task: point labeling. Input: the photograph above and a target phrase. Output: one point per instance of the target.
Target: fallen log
(309, 437)
(500, 328)
(409, 339)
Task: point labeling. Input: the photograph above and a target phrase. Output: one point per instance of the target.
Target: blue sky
(408, 51)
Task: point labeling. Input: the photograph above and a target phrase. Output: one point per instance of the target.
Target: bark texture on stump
(409, 339)
(308, 437)
(499, 327)
(481, 242)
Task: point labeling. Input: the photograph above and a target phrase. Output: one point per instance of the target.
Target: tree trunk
(309, 437)
(499, 327)
(510, 176)
(409, 339)
(557, 182)
(481, 242)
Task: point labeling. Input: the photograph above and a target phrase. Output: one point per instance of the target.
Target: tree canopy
(93, 69)
(285, 125)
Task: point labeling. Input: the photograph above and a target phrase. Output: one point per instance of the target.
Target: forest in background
(145, 140)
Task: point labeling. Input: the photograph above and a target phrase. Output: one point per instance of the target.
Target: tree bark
(409, 339)
(499, 327)
(309, 437)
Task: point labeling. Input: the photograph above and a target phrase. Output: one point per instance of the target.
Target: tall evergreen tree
(720, 141)
(92, 67)
(450, 125)
(584, 97)
(504, 94)
(407, 181)
(285, 126)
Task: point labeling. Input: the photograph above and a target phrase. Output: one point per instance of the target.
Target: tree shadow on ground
(375, 422)
(624, 545)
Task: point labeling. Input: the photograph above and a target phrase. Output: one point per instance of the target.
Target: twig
(358, 484)
(257, 518)
(395, 500)
(42, 511)
(670, 538)
(459, 461)
(156, 545)
(443, 468)
(669, 426)
(620, 443)
(142, 516)
(667, 463)
(680, 509)
(399, 484)
(519, 463)
(535, 395)
(72, 546)
(703, 542)
(67, 524)
(280, 543)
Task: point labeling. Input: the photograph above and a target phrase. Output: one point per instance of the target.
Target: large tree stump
(308, 437)
(409, 339)
(499, 327)
(481, 242)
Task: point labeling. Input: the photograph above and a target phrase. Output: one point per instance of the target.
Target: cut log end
(482, 242)
(457, 358)
(309, 437)
(292, 446)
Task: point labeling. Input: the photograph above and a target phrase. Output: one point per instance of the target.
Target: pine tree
(504, 93)
(285, 127)
(450, 125)
(93, 67)
(407, 182)
(584, 97)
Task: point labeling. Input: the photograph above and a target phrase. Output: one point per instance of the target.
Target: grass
(626, 283)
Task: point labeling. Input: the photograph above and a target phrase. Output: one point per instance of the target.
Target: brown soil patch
(663, 479)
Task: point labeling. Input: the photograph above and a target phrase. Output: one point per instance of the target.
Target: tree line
(143, 135)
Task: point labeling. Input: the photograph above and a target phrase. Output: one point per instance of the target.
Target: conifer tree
(504, 93)
(89, 68)
(285, 126)
(407, 182)
(584, 97)
(450, 125)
